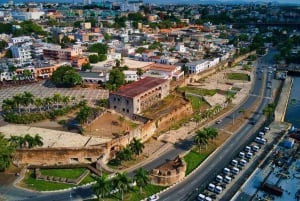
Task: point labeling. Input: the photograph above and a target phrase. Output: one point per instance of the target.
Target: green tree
(3, 45)
(93, 58)
(86, 67)
(27, 99)
(102, 57)
(98, 48)
(211, 133)
(6, 152)
(141, 178)
(201, 138)
(38, 140)
(139, 72)
(84, 114)
(66, 76)
(102, 186)
(136, 146)
(116, 79)
(122, 183)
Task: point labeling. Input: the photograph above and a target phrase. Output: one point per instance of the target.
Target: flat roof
(133, 89)
(162, 67)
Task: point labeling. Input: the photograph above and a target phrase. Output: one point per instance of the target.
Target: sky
(205, 1)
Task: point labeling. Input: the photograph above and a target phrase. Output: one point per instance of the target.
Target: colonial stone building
(138, 96)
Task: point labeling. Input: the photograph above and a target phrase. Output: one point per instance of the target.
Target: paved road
(188, 186)
(212, 166)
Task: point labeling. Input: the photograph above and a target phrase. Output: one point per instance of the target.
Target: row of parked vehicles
(234, 167)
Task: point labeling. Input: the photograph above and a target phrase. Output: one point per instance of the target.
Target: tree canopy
(116, 79)
(6, 152)
(98, 47)
(66, 76)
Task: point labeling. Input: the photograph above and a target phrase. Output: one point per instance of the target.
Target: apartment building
(63, 54)
(138, 96)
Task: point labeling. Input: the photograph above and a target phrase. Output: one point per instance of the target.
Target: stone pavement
(43, 89)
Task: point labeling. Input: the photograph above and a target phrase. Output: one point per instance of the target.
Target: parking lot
(44, 89)
(218, 188)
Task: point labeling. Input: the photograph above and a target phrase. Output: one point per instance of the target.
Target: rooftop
(138, 87)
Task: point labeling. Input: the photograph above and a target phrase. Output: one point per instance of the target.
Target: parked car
(153, 198)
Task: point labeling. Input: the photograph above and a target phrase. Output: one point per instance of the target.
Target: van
(211, 187)
(266, 129)
(219, 178)
(247, 149)
(218, 189)
(235, 170)
(208, 199)
(249, 155)
(255, 148)
(262, 141)
(234, 163)
(243, 162)
(226, 171)
(201, 197)
(257, 139)
(241, 154)
(261, 134)
(227, 179)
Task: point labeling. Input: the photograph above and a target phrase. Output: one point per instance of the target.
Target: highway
(201, 177)
(221, 157)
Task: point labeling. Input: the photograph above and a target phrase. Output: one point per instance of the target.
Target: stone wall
(57, 156)
(167, 176)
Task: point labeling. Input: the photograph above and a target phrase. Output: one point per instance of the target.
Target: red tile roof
(133, 89)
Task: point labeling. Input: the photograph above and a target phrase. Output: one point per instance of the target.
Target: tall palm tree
(27, 99)
(211, 132)
(29, 141)
(201, 138)
(66, 100)
(6, 152)
(48, 102)
(102, 186)
(38, 140)
(17, 141)
(8, 105)
(141, 178)
(136, 146)
(38, 102)
(18, 100)
(122, 183)
(57, 98)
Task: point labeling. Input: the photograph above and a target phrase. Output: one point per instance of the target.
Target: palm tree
(84, 114)
(211, 132)
(56, 99)
(18, 100)
(102, 186)
(38, 102)
(66, 100)
(122, 183)
(201, 138)
(141, 178)
(27, 99)
(17, 141)
(217, 108)
(29, 140)
(48, 102)
(38, 140)
(6, 152)
(136, 146)
(8, 105)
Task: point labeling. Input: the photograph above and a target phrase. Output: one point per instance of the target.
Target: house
(138, 96)
(196, 67)
(164, 71)
(64, 54)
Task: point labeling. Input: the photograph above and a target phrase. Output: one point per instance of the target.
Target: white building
(22, 52)
(130, 75)
(196, 67)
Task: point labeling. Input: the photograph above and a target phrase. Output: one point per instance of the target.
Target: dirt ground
(109, 125)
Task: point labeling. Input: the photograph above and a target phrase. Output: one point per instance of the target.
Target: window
(115, 107)
(127, 111)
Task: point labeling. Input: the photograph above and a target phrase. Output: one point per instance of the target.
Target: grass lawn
(134, 194)
(238, 76)
(201, 92)
(196, 102)
(66, 173)
(193, 160)
(31, 183)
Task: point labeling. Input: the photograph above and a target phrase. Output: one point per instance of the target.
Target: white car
(153, 198)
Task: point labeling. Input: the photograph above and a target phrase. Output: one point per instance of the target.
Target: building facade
(138, 96)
